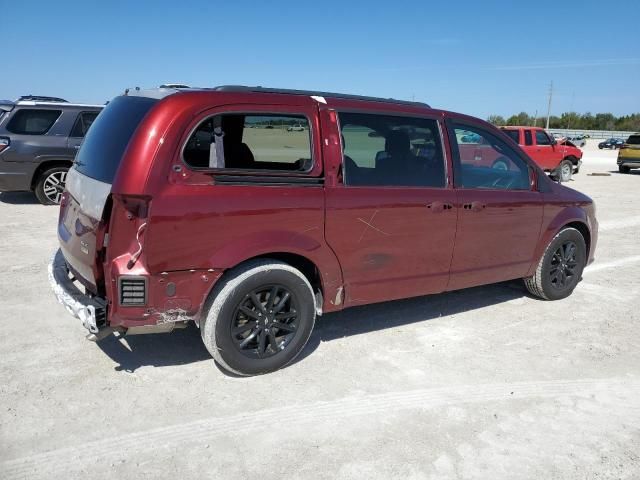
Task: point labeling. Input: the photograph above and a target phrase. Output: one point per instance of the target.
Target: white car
(295, 128)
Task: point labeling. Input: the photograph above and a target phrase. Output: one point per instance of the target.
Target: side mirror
(554, 141)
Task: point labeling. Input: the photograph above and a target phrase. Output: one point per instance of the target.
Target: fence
(592, 133)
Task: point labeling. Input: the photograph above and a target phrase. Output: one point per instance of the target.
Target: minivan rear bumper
(91, 311)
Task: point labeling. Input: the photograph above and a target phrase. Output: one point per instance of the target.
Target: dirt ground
(481, 383)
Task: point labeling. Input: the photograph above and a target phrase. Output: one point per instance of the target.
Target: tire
(50, 185)
(623, 169)
(574, 164)
(564, 171)
(543, 284)
(232, 306)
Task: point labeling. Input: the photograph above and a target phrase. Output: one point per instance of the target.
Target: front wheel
(560, 268)
(50, 185)
(564, 171)
(261, 317)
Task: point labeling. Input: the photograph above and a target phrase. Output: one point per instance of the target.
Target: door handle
(474, 206)
(438, 207)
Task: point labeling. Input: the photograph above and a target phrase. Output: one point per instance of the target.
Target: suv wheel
(560, 268)
(261, 317)
(50, 185)
(623, 169)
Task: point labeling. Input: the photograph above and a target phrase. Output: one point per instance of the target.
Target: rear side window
(106, 141)
(83, 122)
(528, 139)
(243, 141)
(382, 150)
(33, 121)
(634, 140)
(514, 134)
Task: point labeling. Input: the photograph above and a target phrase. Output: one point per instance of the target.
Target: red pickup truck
(561, 159)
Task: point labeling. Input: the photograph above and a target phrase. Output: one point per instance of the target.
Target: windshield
(634, 140)
(109, 135)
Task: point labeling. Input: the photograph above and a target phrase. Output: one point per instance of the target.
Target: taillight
(4, 143)
(623, 146)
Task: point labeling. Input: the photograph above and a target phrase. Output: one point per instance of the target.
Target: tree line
(573, 121)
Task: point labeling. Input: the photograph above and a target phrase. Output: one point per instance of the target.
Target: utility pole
(535, 119)
(549, 106)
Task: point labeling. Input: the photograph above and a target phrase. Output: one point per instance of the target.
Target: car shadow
(18, 198)
(184, 346)
(631, 172)
(180, 347)
(370, 318)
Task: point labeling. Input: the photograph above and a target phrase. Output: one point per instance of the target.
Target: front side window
(381, 150)
(33, 121)
(489, 164)
(240, 141)
(542, 138)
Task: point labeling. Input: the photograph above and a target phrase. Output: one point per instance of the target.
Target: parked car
(612, 143)
(173, 213)
(629, 154)
(38, 142)
(295, 128)
(578, 140)
(558, 158)
(41, 98)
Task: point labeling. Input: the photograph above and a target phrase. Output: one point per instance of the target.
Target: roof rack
(244, 88)
(41, 98)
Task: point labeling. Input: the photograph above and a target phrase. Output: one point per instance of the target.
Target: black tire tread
(225, 288)
(534, 283)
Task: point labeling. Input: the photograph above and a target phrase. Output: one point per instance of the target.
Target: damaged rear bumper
(91, 311)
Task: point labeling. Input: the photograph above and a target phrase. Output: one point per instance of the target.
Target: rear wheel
(623, 169)
(560, 268)
(260, 318)
(50, 185)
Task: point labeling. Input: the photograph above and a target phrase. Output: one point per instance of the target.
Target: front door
(545, 154)
(500, 214)
(391, 218)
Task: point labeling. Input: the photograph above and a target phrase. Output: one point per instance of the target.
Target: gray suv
(39, 137)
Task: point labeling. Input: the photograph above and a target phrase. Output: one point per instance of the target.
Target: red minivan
(250, 211)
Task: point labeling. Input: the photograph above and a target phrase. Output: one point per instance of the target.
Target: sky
(478, 58)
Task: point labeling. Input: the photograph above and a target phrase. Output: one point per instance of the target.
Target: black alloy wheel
(563, 269)
(265, 321)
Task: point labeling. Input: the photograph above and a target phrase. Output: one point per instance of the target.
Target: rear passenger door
(80, 129)
(500, 212)
(390, 218)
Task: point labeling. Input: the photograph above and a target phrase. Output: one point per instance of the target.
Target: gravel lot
(481, 383)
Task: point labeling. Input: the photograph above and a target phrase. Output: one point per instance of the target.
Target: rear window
(634, 140)
(514, 134)
(32, 121)
(109, 136)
